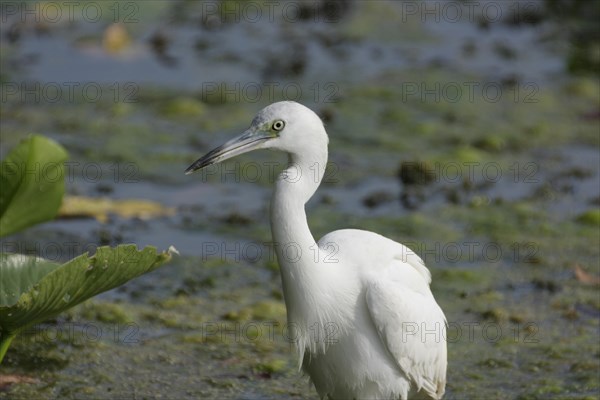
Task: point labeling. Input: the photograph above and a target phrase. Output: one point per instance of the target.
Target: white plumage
(360, 310)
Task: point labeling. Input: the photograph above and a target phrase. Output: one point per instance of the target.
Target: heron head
(286, 126)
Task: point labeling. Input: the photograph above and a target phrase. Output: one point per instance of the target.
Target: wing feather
(410, 324)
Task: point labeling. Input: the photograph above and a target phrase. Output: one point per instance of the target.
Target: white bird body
(371, 327)
(360, 310)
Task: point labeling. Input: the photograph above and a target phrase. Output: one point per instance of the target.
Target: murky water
(483, 104)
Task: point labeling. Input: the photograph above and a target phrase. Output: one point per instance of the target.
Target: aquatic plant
(32, 183)
(33, 289)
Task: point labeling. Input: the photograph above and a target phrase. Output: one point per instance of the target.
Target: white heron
(359, 306)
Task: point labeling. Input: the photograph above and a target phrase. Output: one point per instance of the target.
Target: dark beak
(248, 141)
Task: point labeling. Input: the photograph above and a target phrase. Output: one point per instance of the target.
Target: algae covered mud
(467, 130)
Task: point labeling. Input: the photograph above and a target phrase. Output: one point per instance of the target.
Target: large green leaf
(29, 296)
(19, 273)
(32, 184)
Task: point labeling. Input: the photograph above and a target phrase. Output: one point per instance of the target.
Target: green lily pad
(33, 290)
(32, 181)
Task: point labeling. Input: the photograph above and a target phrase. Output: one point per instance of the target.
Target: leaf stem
(5, 340)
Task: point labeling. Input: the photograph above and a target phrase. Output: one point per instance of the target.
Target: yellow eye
(278, 125)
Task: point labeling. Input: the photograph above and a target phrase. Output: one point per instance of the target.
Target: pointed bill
(247, 141)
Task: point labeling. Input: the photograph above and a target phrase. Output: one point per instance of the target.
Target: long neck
(308, 282)
(294, 187)
(292, 238)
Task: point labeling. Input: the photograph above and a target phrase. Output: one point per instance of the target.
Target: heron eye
(278, 125)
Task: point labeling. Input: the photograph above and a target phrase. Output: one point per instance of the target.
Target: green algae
(189, 323)
(184, 107)
(591, 217)
(110, 313)
(273, 366)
